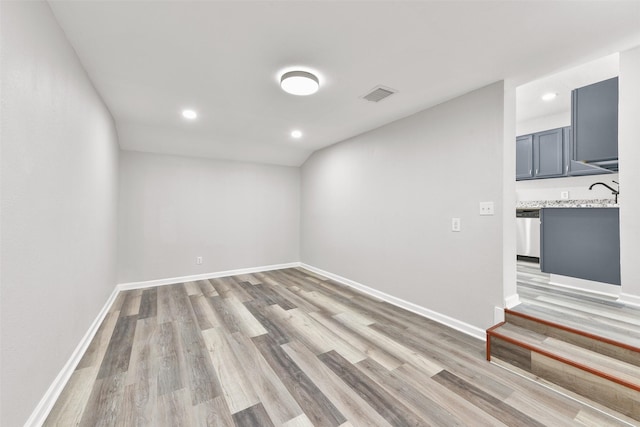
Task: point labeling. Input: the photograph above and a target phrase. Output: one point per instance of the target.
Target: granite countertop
(595, 203)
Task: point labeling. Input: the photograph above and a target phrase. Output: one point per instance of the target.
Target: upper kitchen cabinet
(548, 154)
(583, 101)
(542, 154)
(524, 157)
(594, 120)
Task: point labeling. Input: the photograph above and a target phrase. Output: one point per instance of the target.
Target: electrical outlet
(455, 224)
(486, 208)
(564, 195)
(199, 260)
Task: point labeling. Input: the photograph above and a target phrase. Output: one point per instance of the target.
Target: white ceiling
(151, 59)
(529, 102)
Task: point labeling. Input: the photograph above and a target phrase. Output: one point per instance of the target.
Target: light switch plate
(486, 208)
(455, 224)
(564, 195)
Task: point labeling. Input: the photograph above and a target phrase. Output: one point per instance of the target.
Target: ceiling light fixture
(549, 96)
(296, 134)
(189, 114)
(299, 83)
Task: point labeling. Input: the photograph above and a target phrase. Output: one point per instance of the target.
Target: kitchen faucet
(613, 191)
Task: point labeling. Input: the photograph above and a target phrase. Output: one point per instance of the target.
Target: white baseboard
(39, 415)
(511, 301)
(45, 405)
(415, 308)
(598, 288)
(629, 299)
(161, 282)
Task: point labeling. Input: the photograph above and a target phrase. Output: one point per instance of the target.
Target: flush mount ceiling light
(299, 83)
(189, 114)
(296, 134)
(549, 96)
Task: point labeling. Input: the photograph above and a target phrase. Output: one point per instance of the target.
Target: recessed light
(299, 83)
(296, 134)
(549, 96)
(189, 114)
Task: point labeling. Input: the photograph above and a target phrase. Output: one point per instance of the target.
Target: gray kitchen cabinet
(567, 136)
(594, 120)
(588, 147)
(548, 153)
(542, 154)
(581, 242)
(524, 157)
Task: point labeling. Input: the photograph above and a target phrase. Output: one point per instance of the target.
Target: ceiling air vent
(379, 93)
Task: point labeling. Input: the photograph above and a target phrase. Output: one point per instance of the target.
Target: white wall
(509, 275)
(539, 124)
(629, 151)
(59, 197)
(174, 209)
(377, 208)
(577, 186)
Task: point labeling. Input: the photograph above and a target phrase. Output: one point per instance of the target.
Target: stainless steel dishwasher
(528, 233)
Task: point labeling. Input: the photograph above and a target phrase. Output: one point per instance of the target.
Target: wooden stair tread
(599, 312)
(585, 343)
(564, 332)
(629, 335)
(588, 359)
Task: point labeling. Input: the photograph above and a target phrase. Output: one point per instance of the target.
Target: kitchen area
(567, 186)
(573, 326)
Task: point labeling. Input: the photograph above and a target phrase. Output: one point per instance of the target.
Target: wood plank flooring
(597, 314)
(291, 348)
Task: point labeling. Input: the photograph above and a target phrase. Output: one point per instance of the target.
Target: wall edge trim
(602, 288)
(44, 407)
(512, 300)
(629, 299)
(171, 280)
(399, 302)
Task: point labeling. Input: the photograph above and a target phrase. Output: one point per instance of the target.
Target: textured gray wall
(59, 205)
(174, 209)
(629, 151)
(377, 208)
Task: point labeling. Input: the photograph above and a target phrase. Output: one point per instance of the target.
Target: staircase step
(606, 346)
(590, 320)
(596, 363)
(578, 362)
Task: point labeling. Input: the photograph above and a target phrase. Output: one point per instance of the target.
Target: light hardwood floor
(292, 348)
(597, 314)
